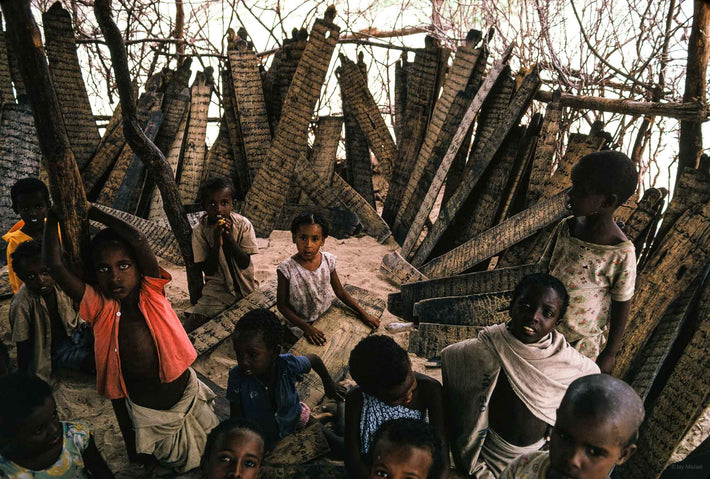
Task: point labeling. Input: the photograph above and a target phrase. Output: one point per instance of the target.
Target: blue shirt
(253, 396)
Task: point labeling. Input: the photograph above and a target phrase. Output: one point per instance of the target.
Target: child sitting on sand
(262, 386)
(234, 449)
(387, 388)
(143, 354)
(47, 330)
(593, 257)
(405, 449)
(35, 443)
(308, 279)
(504, 386)
(596, 429)
(222, 245)
(30, 200)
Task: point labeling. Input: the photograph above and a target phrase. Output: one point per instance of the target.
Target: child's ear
(626, 453)
(611, 200)
(277, 350)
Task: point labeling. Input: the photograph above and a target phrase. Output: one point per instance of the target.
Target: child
(4, 360)
(235, 448)
(222, 244)
(47, 330)
(143, 354)
(405, 449)
(35, 443)
(387, 388)
(593, 257)
(307, 280)
(596, 429)
(30, 200)
(262, 386)
(504, 386)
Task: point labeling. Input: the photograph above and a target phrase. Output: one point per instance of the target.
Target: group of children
(505, 394)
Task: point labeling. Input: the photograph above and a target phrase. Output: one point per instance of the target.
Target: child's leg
(129, 437)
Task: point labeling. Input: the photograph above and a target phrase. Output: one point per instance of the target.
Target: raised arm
(70, 283)
(147, 262)
(312, 334)
(345, 297)
(354, 465)
(328, 384)
(231, 247)
(618, 316)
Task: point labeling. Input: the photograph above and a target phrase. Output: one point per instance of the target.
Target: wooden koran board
(343, 330)
(472, 310)
(430, 339)
(300, 447)
(5, 288)
(306, 471)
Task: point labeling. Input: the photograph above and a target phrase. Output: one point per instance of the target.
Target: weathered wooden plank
(5, 288)
(325, 146)
(242, 172)
(430, 339)
(6, 93)
(193, 158)
(641, 219)
(545, 151)
(330, 470)
(401, 79)
(60, 47)
(266, 198)
(398, 271)
(213, 332)
(110, 147)
(343, 330)
(458, 166)
(472, 310)
(293, 51)
(343, 222)
(300, 447)
(15, 74)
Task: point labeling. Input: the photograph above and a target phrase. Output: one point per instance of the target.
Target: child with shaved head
(596, 429)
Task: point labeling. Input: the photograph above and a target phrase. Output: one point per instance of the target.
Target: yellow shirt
(14, 238)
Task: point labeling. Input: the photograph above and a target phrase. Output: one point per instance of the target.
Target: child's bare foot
(345, 386)
(324, 416)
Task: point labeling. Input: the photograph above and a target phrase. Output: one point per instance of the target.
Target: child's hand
(224, 224)
(314, 336)
(606, 361)
(371, 321)
(332, 391)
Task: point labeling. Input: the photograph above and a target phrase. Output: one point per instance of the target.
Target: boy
(406, 449)
(143, 354)
(503, 387)
(46, 328)
(596, 429)
(30, 200)
(222, 244)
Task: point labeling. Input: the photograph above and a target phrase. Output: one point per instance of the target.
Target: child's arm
(343, 296)
(71, 284)
(312, 334)
(147, 262)
(354, 464)
(618, 316)
(24, 355)
(328, 384)
(434, 395)
(94, 462)
(231, 246)
(235, 409)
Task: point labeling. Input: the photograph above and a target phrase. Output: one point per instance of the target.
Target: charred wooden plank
(242, 172)
(266, 198)
(473, 310)
(430, 339)
(401, 79)
(398, 271)
(343, 223)
(545, 151)
(193, 158)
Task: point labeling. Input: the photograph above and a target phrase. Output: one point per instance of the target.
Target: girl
(405, 449)
(307, 280)
(387, 388)
(36, 443)
(235, 448)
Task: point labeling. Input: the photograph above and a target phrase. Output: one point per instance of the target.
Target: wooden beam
(472, 310)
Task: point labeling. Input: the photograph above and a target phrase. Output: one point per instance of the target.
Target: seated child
(593, 257)
(307, 280)
(262, 386)
(35, 443)
(222, 244)
(504, 386)
(596, 429)
(235, 448)
(47, 330)
(143, 354)
(387, 388)
(30, 200)
(405, 449)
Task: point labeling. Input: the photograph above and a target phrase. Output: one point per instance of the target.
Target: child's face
(400, 461)
(582, 200)
(41, 430)
(236, 454)
(309, 240)
(402, 394)
(32, 208)
(219, 203)
(585, 448)
(535, 313)
(253, 355)
(117, 272)
(35, 276)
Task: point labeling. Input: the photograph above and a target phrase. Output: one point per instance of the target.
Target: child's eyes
(124, 266)
(31, 276)
(224, 458)
(103, 269)
(249, 463)
(549, 313)
(595, 452)
(382, 474)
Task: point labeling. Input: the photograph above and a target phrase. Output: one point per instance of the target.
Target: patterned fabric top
(528, 466)
(375, 412)
(309, 292)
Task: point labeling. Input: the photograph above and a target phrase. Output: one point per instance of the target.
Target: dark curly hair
(226, 426)
(378, 363)
(546, 281)
(215, 183)
(20, 395)
(607, 172)
(27, 251)
(310, 218)
(27, 186)
(413, 433)
(260, 321)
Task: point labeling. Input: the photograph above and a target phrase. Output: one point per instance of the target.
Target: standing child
(35, 443)
(30, 200)
(593, 257)
(308, 279)
(387, 388)
(222, 244)
(405, 449)
(143, 354)
(262, 386)
(596, 430)
(234, 449)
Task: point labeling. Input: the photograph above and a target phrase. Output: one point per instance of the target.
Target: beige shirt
(244, 236)
(29, 319)
(528, 466)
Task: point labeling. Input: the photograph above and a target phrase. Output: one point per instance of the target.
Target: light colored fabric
(29, 319)
(594, 275)
(497, 453)
(528, 466)
(220, 286)
(309, 292)
(176, 437)
(538, 373)
(14, 237)
(69, 465)
(375, 412)
(175, 351)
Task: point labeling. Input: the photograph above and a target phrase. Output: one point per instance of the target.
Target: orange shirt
(175, 351)
(14, 237)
